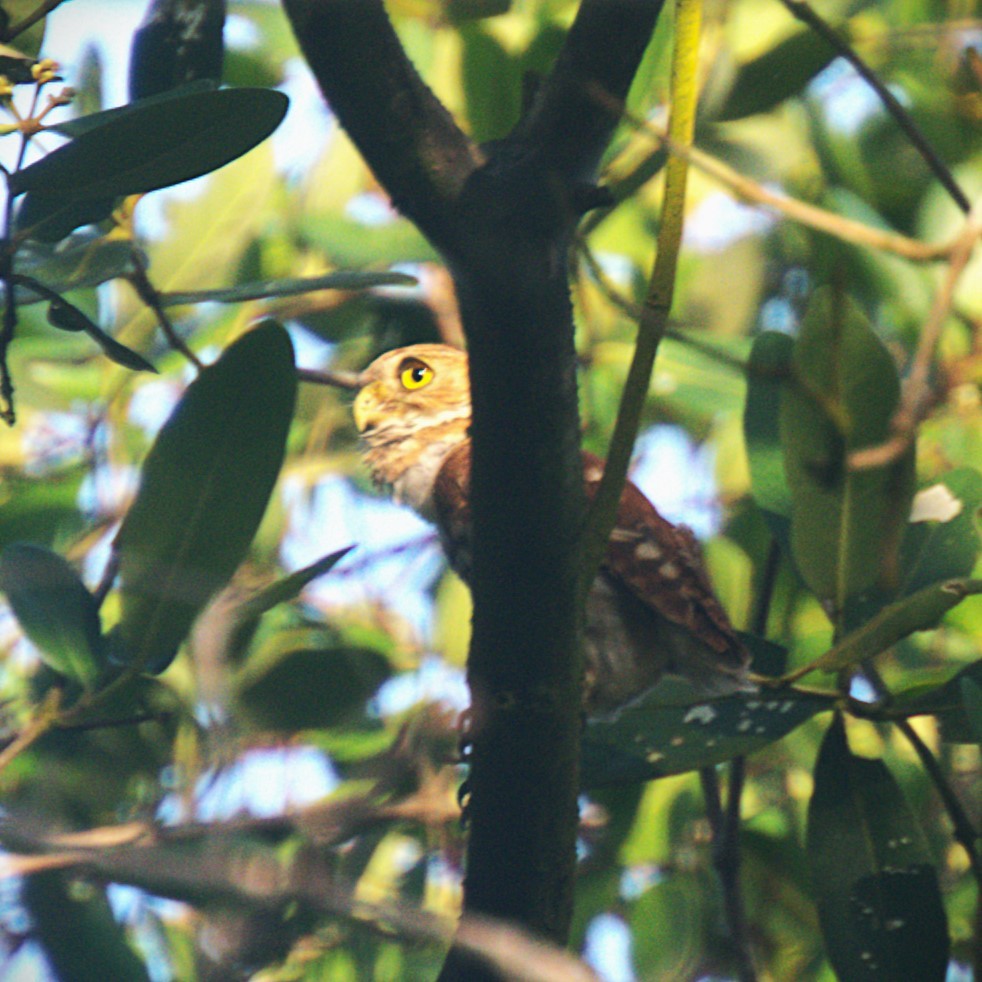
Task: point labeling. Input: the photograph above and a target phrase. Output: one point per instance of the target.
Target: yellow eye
(414, 374)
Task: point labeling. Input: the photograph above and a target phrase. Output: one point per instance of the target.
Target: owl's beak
(366, 409)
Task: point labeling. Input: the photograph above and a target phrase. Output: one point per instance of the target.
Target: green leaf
(161, 144)
(343, 280)
(778, 74)
(946, 701)
(55, 610)
(14, 12)
(85, 260)
(843, 397)
(282, 591)
(203, 491)
(875, 886)
(290, 686)
(670, 729)
(920, 611)
(68, 317)
(767, 371)
(492, 85)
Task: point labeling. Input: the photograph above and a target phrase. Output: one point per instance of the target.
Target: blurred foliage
(791, 351)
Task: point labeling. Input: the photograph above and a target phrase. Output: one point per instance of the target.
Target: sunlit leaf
(13, 13)
(920, 611)
(203, 491)
(55, 610)
(161, 144)
(875, 885)
(842, 399)
(670, 729)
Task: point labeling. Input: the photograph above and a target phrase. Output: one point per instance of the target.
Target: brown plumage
(651, 609)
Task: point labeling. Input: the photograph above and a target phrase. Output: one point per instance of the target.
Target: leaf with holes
(203, 491)
(670, 729)
(877, 891)
(55, 610)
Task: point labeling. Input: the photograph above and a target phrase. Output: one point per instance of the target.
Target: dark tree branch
(503, 217)
(602, 52)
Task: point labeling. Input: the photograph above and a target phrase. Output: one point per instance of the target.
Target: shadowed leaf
(203, 491)
(877, 891)
(156, 146)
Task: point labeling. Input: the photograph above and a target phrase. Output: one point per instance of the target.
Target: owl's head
(421, 385)
(413, 408)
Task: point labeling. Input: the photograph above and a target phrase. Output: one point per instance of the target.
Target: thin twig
(45, 719)
(339, 380)
(917, 390)
(804, 12)
(661, 288)
(147, 292)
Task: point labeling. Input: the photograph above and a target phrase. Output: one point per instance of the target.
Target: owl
(650, 610)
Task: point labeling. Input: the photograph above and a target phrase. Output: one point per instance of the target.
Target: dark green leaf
(781, 72)
(877, 892)
(842, 399)
(343, 280)
(50, 218)
(178, 41)
(289, 689)
(161, 144)
(972, 701)
(17, 70)
(920, 611)
(117, 352)
(92, 121)
(55, 610)
(670, 729)
(203, 491)
(67, 317)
